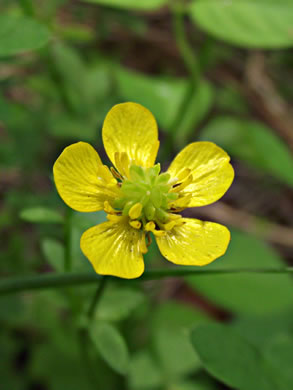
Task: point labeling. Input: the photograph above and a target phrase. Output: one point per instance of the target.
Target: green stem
(193, 68)
(54, 280)
(67, 241)
(97, 297)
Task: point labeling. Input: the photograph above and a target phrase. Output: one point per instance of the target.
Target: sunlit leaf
(246, 23)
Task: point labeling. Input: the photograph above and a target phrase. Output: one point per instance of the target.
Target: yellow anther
(184, 184)
(108, 208)
(174, 216)
(114, 218)
(181, 203)
(135, 224)
(124, 161)
(150, 226)
(135, 211)
(143, 247)
(170, 225)
(183, 174)
(106, 174)
(116, 174)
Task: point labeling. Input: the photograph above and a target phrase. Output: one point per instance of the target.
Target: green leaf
(118, 303)
(246, 293)
(279, 355)
(41, 215)
(163, 97)
(144, 372)
(19, 34)
(132, 4)
(111, 346)
(53, 251)
(253, 143)
(171, 325)
(246, 23)
(231, 359)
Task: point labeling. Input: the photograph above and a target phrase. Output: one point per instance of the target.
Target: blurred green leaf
(144, 372)
(257, 294)
(163, 96)
(246, 23)
(111, 346)
(41, 215)
(232, 359)
(140, 5)
(171, 326)
(279, 355)
(117, 303)
(253, 143)
(261, 330)
(19, 34)
(53, 251)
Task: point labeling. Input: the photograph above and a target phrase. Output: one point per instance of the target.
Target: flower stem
(67, 241)
(193, 68)
(97, 297)
(54, 280)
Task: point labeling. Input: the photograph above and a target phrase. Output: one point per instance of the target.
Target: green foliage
(253, 143)
(53, 251)
(246, 23)
(221, 348)
(19, 34)
(111, 346)
(132, 4)
(118, 303)
(41, 215)
(245, 293)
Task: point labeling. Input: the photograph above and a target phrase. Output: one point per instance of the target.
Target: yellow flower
(140, 200)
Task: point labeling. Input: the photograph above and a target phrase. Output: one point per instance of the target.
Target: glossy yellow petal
(212, 173)
(114, 248)
(131, 128)
(81, 180)
(194, 243)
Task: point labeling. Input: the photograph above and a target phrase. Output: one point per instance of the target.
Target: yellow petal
(212, 173)
(131, 128)
(114, 248)
(194, 243)
(81, 180)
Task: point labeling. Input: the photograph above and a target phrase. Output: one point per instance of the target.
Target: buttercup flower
(139, 199)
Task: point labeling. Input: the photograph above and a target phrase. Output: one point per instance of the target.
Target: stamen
(143, 247)
(114, 218)
(108, 208)
(135, 211)
(116, 174)
(135, 224)
(184, 184)
(151, 227)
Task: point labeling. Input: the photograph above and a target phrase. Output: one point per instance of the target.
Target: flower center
(145, 195)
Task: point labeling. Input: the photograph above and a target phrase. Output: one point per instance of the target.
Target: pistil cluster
(146, 197)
